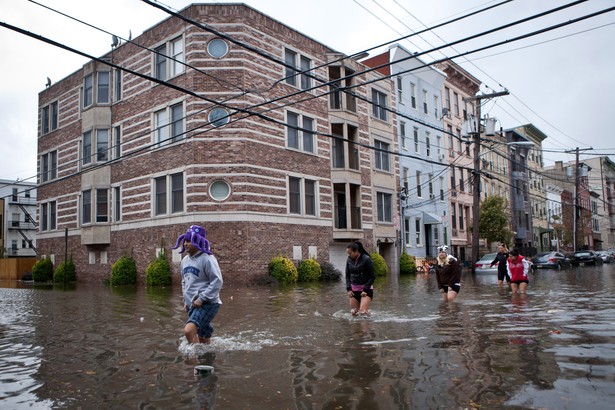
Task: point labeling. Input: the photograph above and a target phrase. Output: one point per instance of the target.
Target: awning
(429, 218)
(542, 230)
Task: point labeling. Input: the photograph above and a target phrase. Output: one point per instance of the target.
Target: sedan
(586, 258)
(484, 264)
(607, 257)
(551, 260)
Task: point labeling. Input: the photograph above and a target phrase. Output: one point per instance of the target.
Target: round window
(217, 48)
(218, 117)
(219, 190)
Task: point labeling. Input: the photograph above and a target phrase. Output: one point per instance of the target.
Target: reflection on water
(299, 347)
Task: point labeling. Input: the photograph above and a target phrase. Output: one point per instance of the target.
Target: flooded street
(299, 348)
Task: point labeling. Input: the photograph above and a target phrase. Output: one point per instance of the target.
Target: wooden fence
(14, 268)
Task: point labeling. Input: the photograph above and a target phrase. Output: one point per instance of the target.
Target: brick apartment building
(127, 163)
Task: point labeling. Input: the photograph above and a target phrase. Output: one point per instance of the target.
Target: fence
(14, 268)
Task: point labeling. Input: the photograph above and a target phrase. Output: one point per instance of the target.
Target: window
(169, 125)
(461, 183)
(219, 190)
(402, 134)
(450, 142)
(117, 202)
(102, 145)
(453, 185)
(118, 84)
(293, 61)
(407, 233)
(86, 148)
(435, 109)
(218, 117)
(425, 107)
(382, 156)
(430, 186)
(416, 140)
(88, 90)
(86, 207)
(103, 87)
(49, 120)
(454, 216)
(299, 132)
(447, 98)
(427, 145)
(413, 95)
(417, 231)
(301, 196)
(379, 105)
(405, 178)
(117, 141)
(169, 59)
(44, 217)
(102, 205)
(384, 202)
(400, 90)
(217, 48)
(461, 216)
(456, 102)
(419, 193)
(169, 194)
(49, 166)
(441, 188)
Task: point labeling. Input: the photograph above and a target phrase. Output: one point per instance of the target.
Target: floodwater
(299, 348)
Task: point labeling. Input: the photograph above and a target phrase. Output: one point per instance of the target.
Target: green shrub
(65, 272)
(42, 271)
(283, 270)
(329, 272)
(407, 264)
(380, 265)
(309, 270)
(158, 273)
(124, 272)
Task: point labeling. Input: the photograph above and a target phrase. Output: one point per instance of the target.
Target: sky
(561, 81)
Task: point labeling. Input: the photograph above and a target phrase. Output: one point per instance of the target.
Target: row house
(177, 128)
(456, 111)
(18, 219)
(601, 179)
(541, 231)
(576, 200)
(422, 159)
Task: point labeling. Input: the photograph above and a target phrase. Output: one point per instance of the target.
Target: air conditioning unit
(441, 157)
(432, 196)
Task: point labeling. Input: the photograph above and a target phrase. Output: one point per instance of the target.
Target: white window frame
(170, 191)
(166, 127)
(305, 136)
(384, 203)
(382, 160)
(170, 57)
(305, 201)
(379, 105)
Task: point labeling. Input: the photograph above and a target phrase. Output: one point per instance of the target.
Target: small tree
(380, 265)
(158, 272)
(309, 270)
(65, 272)
(283, 270)
(124, 272)
(407, 264)
(42, 271)
(494, 221)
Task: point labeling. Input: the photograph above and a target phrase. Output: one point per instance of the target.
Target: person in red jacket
(518, 269)
(448, 275)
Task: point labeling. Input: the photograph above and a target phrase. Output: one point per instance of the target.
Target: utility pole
(576, 215)
(476, 172)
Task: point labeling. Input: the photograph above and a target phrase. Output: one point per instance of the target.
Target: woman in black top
(359, 278)
(448, 274)
(500, 259)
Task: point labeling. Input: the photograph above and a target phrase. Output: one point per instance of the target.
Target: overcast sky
(561, 81)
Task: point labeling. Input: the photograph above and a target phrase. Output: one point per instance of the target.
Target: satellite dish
(116, 41)
(48, 84)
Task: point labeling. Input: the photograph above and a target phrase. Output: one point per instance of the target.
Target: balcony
(24, 226)
(22, 200)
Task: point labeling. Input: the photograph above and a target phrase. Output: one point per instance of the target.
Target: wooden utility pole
(476, 172)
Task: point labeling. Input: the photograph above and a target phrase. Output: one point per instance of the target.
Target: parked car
(607, 257)
(483, 264)
(585, 258)
(551, 260)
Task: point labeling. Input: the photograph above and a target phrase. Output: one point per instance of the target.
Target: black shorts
(456, 287)
(503, 275)
(357, 294)
(521, 281)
